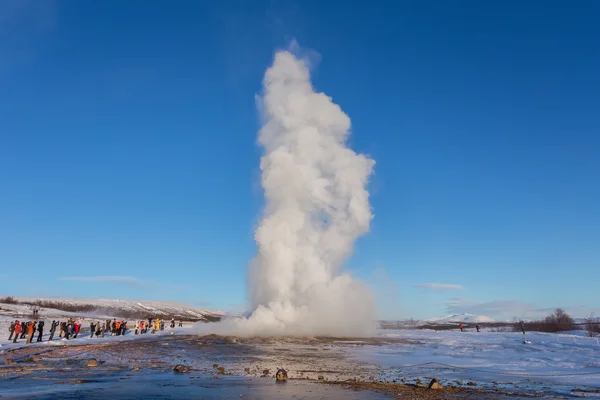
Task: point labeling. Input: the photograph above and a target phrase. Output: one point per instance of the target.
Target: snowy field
(550, 363)
(110, 307)
(547, 365)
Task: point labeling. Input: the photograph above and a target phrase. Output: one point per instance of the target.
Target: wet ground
(228, 367)
(100, 384)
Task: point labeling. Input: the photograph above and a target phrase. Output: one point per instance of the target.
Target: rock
(9, 361)
(471, 384)
(418, 383)
(221, 370)
(320, 377)
(181, 369)
(215, 366)
(92, 362)
(247, 370)
(281, 375)
(266, 372)
(136, 369)
(435, 384)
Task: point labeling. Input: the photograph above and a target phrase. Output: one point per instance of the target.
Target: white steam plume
(316, 207)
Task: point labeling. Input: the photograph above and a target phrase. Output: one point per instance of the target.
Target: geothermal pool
(550, 366)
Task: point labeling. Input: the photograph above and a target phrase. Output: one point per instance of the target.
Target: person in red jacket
(76, 328)
(17, 331)
(460, 326)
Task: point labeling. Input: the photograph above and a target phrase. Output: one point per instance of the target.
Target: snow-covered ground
(553, 364)
(464, 317)
(568, 359)
(112, 307)
(10, 312)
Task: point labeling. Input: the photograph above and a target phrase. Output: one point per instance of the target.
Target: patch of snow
(464, 317)
(110, 307)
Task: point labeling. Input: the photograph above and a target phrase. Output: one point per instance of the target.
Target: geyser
(316, 207)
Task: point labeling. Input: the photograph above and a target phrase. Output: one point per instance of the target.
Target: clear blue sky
(128, 147)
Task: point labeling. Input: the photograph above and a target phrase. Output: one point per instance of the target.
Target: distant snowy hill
(116, 307)
(464, 317)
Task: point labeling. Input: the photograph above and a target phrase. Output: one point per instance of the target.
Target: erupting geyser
(317, 205)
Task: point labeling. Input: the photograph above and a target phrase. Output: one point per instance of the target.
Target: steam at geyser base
(317, 205)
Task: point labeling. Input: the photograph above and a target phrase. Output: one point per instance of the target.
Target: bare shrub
(592, 326)
(8, 300)
(558, 321)
(61, 305)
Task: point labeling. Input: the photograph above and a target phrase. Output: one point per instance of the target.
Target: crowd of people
(71, 328)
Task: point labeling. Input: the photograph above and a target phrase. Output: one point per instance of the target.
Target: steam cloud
(316, 207)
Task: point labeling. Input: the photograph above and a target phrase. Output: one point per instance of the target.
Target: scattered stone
(221, 370)
(419, 384)
(435, 384)
(281, 375)
(247, 370)
(136, 369)
(320, 377)
(266, 372)
(181, 369)
(471, 383)
(9, 361)
(92, 362)
(578, 390)
(215, 366)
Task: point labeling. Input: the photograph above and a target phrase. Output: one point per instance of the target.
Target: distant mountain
(464, 317)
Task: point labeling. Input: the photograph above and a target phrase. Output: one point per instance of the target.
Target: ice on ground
(550, 359)
(548, 364)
